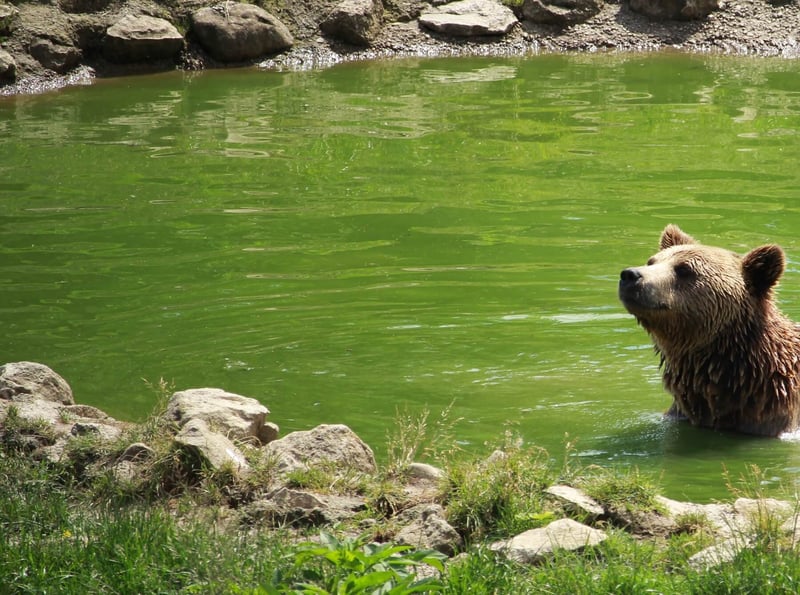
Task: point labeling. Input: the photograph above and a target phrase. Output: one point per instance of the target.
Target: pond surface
(345, 243)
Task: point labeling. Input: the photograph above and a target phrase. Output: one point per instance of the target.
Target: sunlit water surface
(341, 244)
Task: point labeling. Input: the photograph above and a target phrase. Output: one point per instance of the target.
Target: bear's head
(687, 293)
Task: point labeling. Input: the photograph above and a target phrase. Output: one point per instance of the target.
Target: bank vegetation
(179, 526)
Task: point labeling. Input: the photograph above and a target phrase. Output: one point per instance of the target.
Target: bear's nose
(629, 276)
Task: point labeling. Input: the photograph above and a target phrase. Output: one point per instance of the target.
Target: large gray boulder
(141, 38)
(28, 381)
(326, 445)
(469, 18)
(560, 12)
(563, 534)
(236, 32)
(675, 10)
(232, 415)
(356, 22)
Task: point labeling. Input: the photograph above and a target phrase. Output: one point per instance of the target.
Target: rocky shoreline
(226, 440)
(67, 42)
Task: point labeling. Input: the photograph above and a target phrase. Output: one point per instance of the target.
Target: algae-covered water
(342, 243)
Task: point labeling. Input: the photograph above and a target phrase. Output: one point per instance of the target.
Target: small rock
(763, 508)
(9, 18)
(269, 432)
(679, 10)
(497, 456)
(576, 501)
(428, 529)
(55, 56)
(720, 553)
(425, 471)
(137, 451)
(560, 12)
(105, 432)
(8, 66)
(83, 6)
(213, 448)
(285, 505)
(721, 517)
(86, 411)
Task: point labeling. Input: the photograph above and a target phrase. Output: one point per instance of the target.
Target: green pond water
(342, 243)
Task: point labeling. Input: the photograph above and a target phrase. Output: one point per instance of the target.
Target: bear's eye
(684, 271)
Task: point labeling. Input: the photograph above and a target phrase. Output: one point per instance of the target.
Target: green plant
(327, 477)
(502, 495)
(355, 566)
(81, 452)
(23, 434)
(757, 570)
(766, 518)
(65, 416)
(621, 489)
(413, 440)
(155, 424)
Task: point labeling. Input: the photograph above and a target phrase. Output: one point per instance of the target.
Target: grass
(72, 527)
(501, 495)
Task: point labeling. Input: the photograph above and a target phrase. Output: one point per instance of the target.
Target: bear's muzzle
(634, 293)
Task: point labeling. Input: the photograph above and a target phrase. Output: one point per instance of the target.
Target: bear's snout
(629, 277)
(631, 289)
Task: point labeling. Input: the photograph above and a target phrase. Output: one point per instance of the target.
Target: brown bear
(729, 357)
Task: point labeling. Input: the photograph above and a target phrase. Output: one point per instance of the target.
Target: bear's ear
(761, 268)
(673, 236)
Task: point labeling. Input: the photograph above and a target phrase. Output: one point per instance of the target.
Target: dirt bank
(743, 27)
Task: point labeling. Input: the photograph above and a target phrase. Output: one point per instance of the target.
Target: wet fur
(729, 357)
